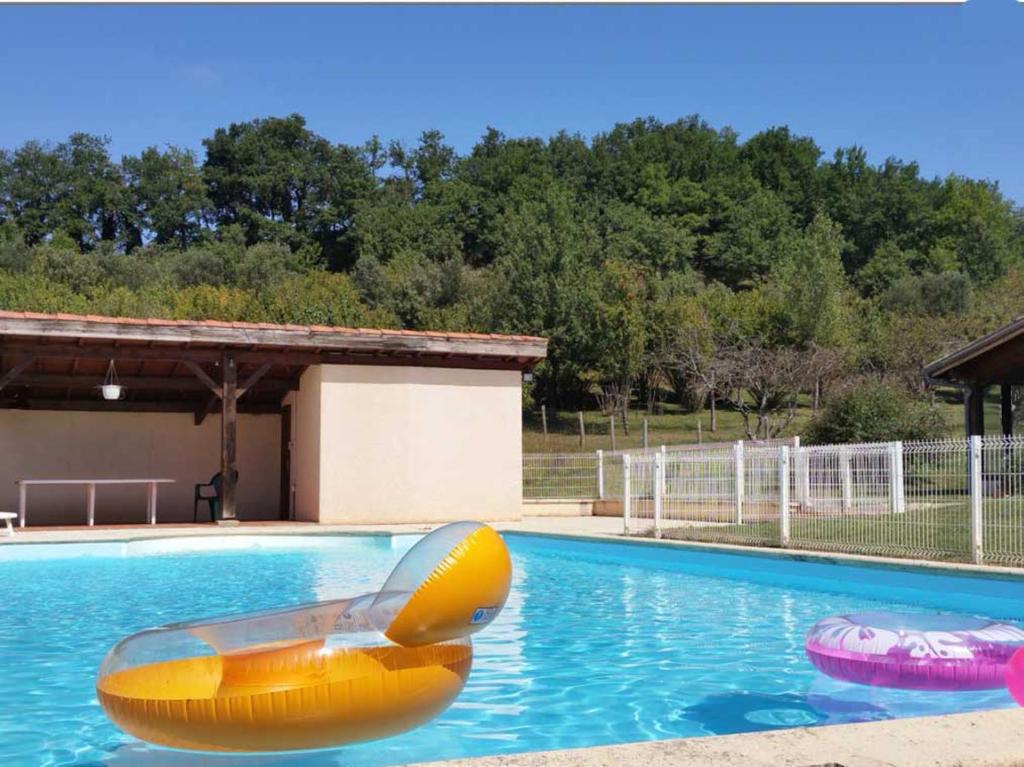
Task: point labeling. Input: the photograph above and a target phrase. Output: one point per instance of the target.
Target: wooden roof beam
(167, 383)
(126, 406)
(15, 371)
(276, 357)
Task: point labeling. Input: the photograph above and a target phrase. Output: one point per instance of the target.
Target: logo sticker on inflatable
(483, 615)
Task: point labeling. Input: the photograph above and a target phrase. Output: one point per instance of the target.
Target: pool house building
(117, 421)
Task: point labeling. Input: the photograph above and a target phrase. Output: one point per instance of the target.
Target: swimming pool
(601, 642)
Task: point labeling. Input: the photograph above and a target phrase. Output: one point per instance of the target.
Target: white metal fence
(598, 474)
(946, 499)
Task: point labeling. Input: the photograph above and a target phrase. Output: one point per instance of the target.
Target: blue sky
(938, 84)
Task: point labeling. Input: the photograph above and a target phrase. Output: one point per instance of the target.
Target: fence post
(977, 544)
(738, 468)
(600, 475)
(896, 473)
(846, 473)
(784, 496)
(802, 460)
(627, 505)
(659, 490)
(645, 434)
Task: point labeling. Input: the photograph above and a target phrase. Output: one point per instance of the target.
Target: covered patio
(276, 410)
(996, 359)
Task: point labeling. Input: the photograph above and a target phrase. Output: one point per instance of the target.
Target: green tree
(788, 166)
(280, 181)
(978, 225)
(812, 290)
(169, 194)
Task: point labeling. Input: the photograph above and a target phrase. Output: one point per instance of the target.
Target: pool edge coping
(963, 569)
(974, 739)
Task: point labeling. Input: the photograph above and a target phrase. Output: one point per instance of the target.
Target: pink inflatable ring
(914, 651)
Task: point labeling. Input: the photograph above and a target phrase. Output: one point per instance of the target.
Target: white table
(90, 494)
(7, 516)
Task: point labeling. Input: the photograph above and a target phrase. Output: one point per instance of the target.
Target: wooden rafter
(203, 376)
(254, 378)
(16, 370)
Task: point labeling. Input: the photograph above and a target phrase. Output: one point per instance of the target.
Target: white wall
(96, 445)
(407, 444)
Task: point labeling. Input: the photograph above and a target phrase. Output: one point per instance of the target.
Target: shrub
(875, 412)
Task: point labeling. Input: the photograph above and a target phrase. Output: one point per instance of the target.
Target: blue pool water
(599, 643)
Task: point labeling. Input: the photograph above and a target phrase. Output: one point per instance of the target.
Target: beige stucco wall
(72, 445)
(305, 404)
(407, 444)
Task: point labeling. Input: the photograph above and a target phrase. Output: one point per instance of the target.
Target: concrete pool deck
(989, 739)
(983, 739)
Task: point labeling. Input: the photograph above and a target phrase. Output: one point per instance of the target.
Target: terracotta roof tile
(156, 322)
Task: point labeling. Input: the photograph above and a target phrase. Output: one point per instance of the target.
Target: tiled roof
(257, 326)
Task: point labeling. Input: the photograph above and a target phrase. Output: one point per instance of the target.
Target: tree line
(660, 259)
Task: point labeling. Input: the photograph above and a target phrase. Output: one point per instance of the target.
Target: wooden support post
(1006, 409)
(583, 431)
(544, 419)
(974, 410)
(228, 437)
(645, 434)
(611, 429)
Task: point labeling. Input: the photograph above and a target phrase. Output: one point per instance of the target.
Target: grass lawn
(936, 533)
(675, 427)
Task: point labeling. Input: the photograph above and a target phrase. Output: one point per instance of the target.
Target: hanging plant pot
(111, 388)
(112, 391)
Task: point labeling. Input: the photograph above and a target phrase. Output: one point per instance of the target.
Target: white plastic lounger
(7, 516)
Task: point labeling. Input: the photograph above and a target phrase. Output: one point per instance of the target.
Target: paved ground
(564, 525)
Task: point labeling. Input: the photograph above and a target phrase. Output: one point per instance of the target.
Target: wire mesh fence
(998, 535)
(561, 475)
(956, 499)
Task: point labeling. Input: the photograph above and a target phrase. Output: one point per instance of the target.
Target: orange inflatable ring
(317, 675)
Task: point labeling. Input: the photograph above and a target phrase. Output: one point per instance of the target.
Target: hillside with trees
(663, 261)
